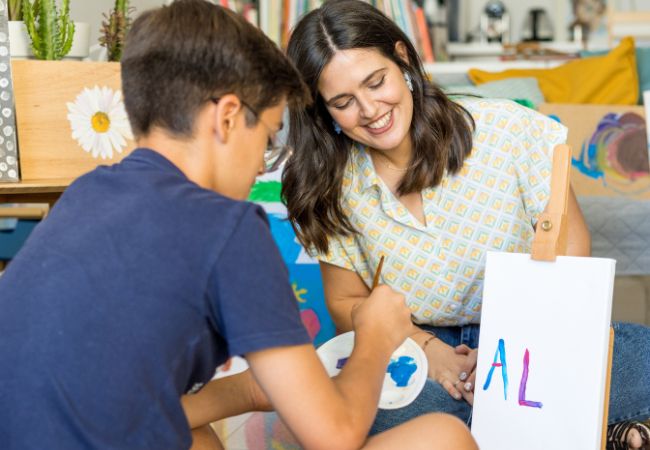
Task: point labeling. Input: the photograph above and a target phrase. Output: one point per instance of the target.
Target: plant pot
(80, 42)
(20, 42)
(43, 92)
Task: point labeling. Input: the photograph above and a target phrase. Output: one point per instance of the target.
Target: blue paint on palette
(401, 370)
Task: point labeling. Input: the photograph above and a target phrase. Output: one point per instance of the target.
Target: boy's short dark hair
(178, 57)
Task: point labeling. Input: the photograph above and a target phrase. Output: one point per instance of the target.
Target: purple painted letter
(522, 385)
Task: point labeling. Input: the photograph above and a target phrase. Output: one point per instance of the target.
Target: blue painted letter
(500, 354)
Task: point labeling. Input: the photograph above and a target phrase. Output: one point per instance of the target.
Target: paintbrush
(375, 280)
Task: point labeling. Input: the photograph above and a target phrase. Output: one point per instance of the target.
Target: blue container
(13, 235)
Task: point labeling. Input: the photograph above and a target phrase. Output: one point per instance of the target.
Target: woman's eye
(378, 84)
(343, 105)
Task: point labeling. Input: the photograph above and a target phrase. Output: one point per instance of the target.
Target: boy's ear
(225, 115)
(401, 51)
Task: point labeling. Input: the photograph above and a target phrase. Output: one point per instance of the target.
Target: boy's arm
(224, 397)
(335, 413)
(322, 412)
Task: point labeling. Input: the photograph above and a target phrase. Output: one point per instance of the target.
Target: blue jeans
(630, 384)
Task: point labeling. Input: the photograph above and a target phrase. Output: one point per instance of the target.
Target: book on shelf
(247, 8)
(276, 18)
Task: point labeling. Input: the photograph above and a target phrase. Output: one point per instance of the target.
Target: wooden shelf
(34, 191)
(55, 185)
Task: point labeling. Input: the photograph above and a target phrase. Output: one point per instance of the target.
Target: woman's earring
(409, 82)
(337, 127)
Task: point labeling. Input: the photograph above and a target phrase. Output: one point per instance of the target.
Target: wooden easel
(551, 238)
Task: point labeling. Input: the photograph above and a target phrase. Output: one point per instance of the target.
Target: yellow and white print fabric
(491, 204)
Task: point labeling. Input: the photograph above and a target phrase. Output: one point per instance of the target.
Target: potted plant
(114, 29)
(15, 10)
(55, 99)
(51, 33)
(18, 37)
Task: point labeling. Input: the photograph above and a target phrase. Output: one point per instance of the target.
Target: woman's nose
(367, 107)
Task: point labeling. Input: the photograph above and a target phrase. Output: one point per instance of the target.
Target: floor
(632, 299)
(254, 431)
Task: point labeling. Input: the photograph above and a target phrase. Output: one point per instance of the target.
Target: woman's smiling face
(366, 93)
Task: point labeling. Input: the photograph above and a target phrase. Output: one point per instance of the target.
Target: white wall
(640, 5)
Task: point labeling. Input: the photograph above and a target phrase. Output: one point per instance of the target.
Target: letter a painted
(501, 355)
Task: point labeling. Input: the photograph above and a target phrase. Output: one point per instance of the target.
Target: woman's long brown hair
(441, 130)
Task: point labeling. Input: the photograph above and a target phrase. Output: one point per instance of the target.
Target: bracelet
(429, 339)
(425, 343)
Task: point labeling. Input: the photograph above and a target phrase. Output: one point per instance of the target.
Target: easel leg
(603, 441)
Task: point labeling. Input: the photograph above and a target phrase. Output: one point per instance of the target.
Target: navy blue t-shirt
(131, 292)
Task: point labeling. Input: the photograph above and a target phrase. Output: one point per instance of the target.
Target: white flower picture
(99, 122)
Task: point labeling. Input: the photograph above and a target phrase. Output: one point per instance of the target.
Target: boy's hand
(383, 316)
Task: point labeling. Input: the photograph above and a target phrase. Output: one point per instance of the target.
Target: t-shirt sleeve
(345, 252)
(250, 290)
(534, 161)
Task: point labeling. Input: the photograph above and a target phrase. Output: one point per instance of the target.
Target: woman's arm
(345, 289)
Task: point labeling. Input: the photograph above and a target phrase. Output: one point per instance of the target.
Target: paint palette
(405, 375)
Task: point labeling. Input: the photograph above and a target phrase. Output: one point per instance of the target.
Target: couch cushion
(642, 67)
(511, 88)
(607, 79)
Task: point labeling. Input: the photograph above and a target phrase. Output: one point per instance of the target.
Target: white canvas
(560, 312)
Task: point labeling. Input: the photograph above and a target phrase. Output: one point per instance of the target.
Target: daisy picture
(99, 122)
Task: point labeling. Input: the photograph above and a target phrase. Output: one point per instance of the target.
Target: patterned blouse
(491, 204)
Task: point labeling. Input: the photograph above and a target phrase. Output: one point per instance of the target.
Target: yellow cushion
(609, 79)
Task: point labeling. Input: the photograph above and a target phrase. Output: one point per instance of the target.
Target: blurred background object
(495, 23)
(537, 26)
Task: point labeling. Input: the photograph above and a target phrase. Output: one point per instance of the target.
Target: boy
(150, 273)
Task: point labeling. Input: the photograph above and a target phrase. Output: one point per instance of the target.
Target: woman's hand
(446, 365)
(468, 375)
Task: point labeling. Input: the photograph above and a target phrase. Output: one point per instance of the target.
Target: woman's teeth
(381, 123)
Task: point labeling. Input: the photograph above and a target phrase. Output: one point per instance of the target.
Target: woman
(386, 164)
